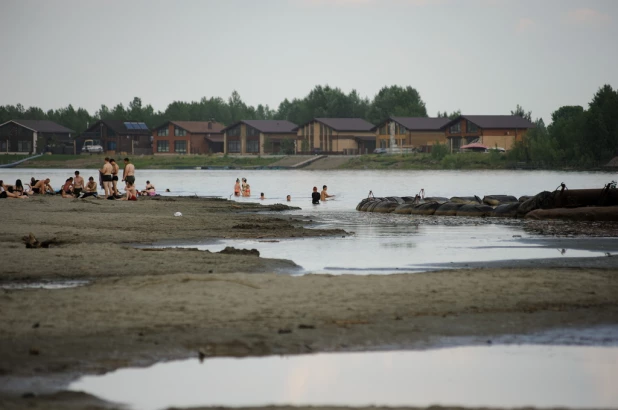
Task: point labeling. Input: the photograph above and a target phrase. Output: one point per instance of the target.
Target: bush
(439, 151)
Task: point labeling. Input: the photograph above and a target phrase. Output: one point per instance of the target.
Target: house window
(179, 132)
(163, 146)
(111, 145)
(252, 132)
(233, 132)
(401, 129)
(455, 128)
(472, 127)
(24, 146)
(233, 146)
(163, 132)
(180, 147)
(253, 146)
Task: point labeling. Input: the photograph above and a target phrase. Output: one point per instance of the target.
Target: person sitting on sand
(237, 187)
(90, 190)
(149, 190)
(131, 192)
(6, 194)
(315, 196)
(78, 184)
(67, 188)
(18, 188)
(324, 194)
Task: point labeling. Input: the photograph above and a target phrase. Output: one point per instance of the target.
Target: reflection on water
(497, 376)
(60, 284)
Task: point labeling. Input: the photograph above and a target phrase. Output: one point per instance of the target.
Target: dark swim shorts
(107, 178)
(130, 179)
(115, 178)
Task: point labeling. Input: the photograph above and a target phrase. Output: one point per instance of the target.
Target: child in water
(237, 187)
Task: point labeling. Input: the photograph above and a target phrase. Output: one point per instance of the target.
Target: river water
(380, 243)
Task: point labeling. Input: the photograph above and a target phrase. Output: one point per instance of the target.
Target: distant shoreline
(467, 161)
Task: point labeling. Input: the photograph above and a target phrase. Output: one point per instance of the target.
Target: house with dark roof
(411, 132)
(188, 137)
(499, 131)
(118, 136)
(35, 136)
(261, 137)
(338, 135)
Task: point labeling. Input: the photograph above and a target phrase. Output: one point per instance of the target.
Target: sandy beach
(144, 306)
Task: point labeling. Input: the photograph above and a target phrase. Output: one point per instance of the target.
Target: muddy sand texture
(97, 237)
(142, 307)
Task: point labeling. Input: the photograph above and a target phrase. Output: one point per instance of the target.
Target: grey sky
(480, 56)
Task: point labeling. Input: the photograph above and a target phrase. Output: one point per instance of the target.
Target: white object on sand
(178, 214)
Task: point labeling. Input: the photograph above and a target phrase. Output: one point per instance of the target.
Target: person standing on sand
(106, 178)
(115, 169)
(324, 194)
(78, 184)
(128, 173)
(315, 196)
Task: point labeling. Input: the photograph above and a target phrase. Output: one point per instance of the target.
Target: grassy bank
(426, 161)
(9, 159)
(148, 162)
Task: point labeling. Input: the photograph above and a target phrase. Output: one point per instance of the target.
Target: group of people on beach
(243, 189)
(76, 187)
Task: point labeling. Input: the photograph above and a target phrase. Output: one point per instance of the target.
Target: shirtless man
(41, 186)
(128, 173)
(324, 194)
(106, 173)
(115, 169)
(91, 189)
(78, 184)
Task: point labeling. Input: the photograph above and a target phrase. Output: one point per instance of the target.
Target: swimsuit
(315, 198)
(132, 198)
(131, 179)
(107, 178)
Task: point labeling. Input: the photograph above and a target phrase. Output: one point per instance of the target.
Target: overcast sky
(480, 56)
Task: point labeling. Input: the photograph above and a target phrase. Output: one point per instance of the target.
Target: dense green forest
(322, 101)
(576, 136)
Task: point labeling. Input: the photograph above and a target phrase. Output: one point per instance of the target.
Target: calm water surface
(497, 376)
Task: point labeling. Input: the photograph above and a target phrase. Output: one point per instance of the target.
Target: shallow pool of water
(497, 376)
(60, 284)
(385, 243)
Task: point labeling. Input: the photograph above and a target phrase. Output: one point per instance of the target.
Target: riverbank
(415, 161)
(140, 306)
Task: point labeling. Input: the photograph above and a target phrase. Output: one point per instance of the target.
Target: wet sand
(142, 307)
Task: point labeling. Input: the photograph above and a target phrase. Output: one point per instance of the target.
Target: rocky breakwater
(577, 204)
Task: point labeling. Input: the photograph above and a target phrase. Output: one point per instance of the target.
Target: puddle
(384, 248)
(64, 284)
(488, 376)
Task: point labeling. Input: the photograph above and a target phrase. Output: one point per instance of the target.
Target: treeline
(322, 101)
(576, 136)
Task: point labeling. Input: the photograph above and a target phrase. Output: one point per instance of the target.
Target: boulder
(495, 200)
(475, 210)
(425, 209)
(506, 211)
(361, 203)
(438, 199)
(543, 200)
(524, 198)
(404, 209)
(385, 207)
(395, 199)
(466, 200)
(448, 209)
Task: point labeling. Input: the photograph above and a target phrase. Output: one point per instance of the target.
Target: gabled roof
(267, 126)
(42, 126)
(495, 121)
(196, 127)
(417, 123)
(119, 127)
(346, 124)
